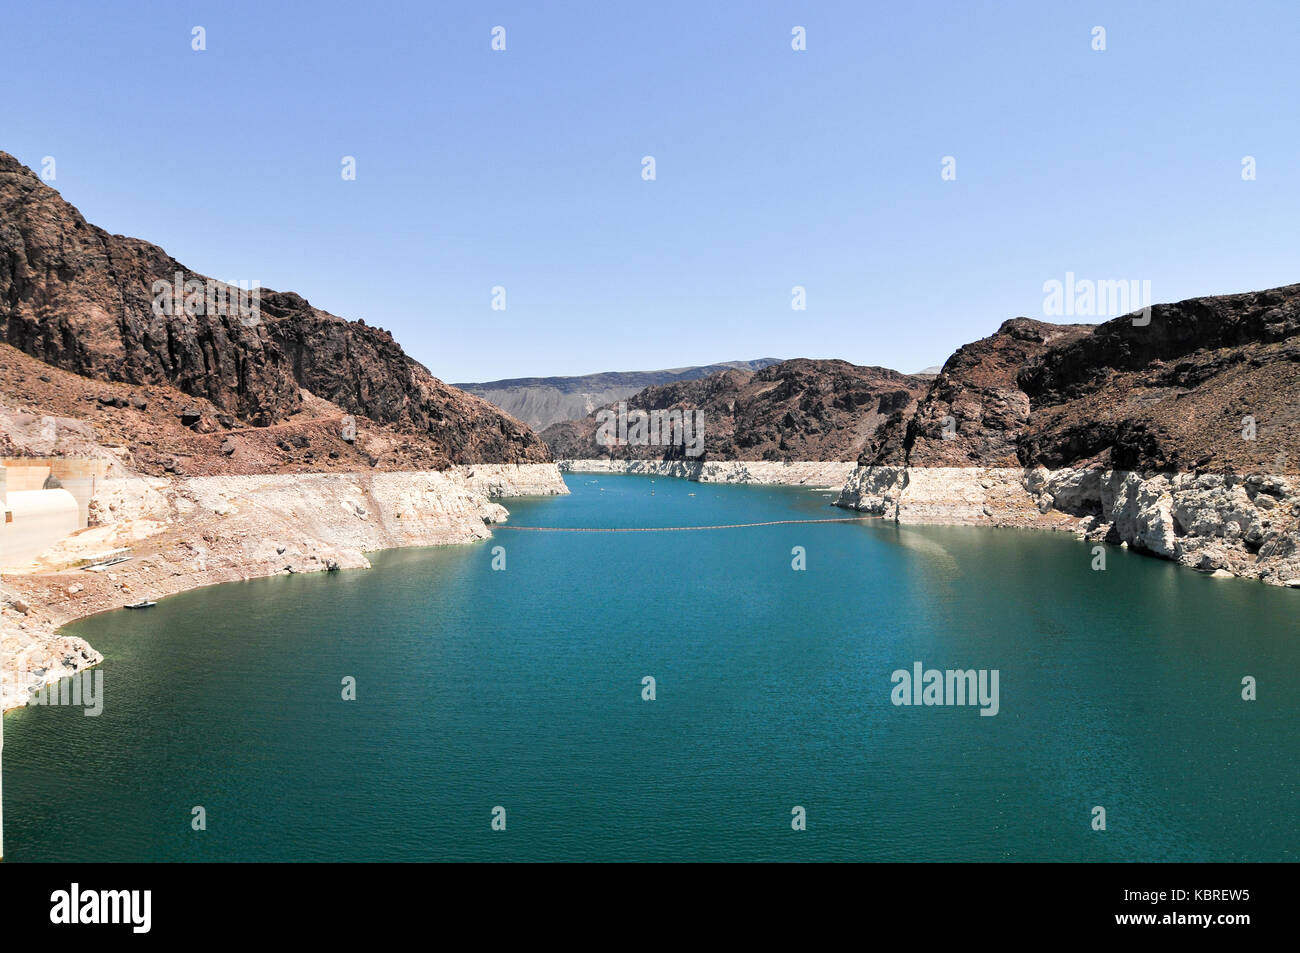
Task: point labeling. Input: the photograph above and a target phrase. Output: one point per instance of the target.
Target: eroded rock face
(975, 412)
(1243, 525)
(994, 496)
(807, 473)
(83, 300)
(801, 409)
(1179, 436)
(1210, 385)
(1246, 525)
(34, 655)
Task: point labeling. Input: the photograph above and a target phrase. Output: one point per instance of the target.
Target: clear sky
(775, 168)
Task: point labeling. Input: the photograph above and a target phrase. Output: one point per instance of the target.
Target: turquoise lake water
(522, 689)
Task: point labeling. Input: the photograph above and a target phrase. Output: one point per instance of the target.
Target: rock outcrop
(809, 473)
(1210, 385)
(975, 410)
(1176, 435)
(80, 299)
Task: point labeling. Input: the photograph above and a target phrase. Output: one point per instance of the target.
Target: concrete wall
(23, 477)
(42, 500)
(77, 475)
(40, 519)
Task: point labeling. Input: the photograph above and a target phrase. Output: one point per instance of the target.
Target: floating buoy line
(671, 529)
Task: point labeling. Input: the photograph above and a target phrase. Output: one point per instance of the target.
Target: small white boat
(142, 604)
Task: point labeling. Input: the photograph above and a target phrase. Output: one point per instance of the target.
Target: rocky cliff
(1207, 384)
(801, 409)
(1175, 433)
(975, 410)
(1210, 385)
(78, 298)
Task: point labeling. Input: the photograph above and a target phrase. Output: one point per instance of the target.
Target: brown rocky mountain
(83, 300)
(800, 409)
(974, 410)
(1175, 395)
(1178, 394)
(1177, 435)
(158, 430)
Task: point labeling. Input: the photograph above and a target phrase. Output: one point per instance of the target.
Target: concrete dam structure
(44, 499)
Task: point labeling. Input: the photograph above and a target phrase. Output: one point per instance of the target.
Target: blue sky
(775, 168)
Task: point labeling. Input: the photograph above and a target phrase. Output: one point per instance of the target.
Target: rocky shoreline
(810, 473)
(186, 533)
(1242, 525)
(1245, 525)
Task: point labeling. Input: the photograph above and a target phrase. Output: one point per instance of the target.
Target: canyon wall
(1175, 432)
(78, 298)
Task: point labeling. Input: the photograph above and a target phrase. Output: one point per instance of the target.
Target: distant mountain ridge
(542, 401)
(795, 410)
